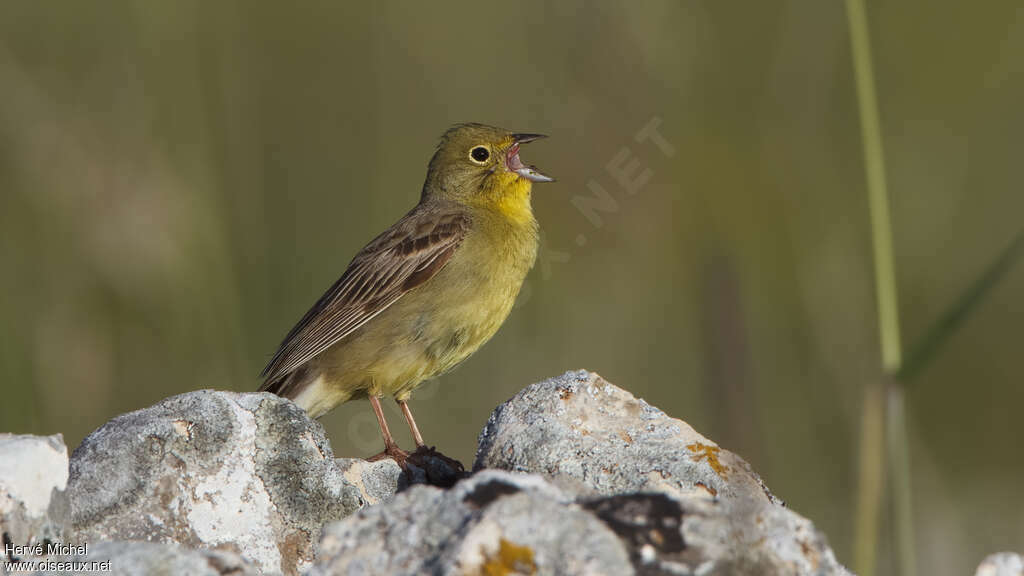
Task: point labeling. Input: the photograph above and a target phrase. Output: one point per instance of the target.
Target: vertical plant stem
(899, 464)
(870, 479)
(869, 499)
(878, 195)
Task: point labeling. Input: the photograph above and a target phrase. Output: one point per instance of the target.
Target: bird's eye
(479, 154)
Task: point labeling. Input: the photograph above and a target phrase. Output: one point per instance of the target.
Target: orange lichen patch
(709, 489)
(510, 559)
(295, 549)
(709, 453)
(625, 437)
(809, 554)
(565, 394)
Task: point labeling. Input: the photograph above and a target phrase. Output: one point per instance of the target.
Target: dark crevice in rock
(649, 524)
(223, 568)
(642, 519)
(484, 494)
(8, 544)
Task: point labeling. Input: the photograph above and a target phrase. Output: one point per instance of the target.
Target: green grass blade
(925, 350)
(874, 407)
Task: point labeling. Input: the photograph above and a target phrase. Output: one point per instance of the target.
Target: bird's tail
(306, 388)
(288, 385)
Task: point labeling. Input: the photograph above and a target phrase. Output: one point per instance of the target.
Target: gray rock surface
(1001, 564)
(491, 523)
(136, 558)
(248, 473)
(573, 476)
(691, 535)
(33, 477)
(635, 467)
(376, 481)
(578, 429)
(504, 523)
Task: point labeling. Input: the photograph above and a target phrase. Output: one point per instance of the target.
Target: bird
(426, 293)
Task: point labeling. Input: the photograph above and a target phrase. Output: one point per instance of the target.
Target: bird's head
(480, 164)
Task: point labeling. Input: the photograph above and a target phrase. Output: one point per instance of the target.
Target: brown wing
(405, 256)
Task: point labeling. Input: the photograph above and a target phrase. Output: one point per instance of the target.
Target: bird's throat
(513, 200)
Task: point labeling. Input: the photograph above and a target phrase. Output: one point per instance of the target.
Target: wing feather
(402, 258)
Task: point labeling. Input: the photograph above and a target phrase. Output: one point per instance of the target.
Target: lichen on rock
(573, 475)
(249, 473)
(579, 428)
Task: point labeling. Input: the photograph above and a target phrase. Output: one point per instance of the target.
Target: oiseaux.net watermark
(52, 557)
(626, 173)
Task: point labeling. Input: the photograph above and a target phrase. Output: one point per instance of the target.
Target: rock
(376, 481)
(665, 535)
(379, 480)
(679, 502)
(33, 477)
(580, 430)
(502, 523)
(133, 558)
(1002, 564)
(491, 523)
(572, 476)
(248, 473)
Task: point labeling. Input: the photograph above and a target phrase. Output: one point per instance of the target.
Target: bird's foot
(424, 466)
(394, 452)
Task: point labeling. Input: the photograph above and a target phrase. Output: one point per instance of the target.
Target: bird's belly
(421, 336)
(441, 337)
(434, 327)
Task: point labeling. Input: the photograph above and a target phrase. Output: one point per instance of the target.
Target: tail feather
(308, 390)
(288, 385)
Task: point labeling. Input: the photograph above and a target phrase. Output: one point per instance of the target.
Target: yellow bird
(428, 292)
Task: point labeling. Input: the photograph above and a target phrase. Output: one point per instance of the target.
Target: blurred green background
(179, 181)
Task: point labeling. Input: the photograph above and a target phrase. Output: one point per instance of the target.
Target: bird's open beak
(514, 164)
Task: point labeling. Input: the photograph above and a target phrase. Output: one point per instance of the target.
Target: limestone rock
(248, 473)
(376, 481)
(502, 523)
(578, 429)
(573, 476)
(380, 480)
(33, 477)
(1001, 564)
(491, 523)
(679, 502)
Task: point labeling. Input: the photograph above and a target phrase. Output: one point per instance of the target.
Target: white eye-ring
(479, 154)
